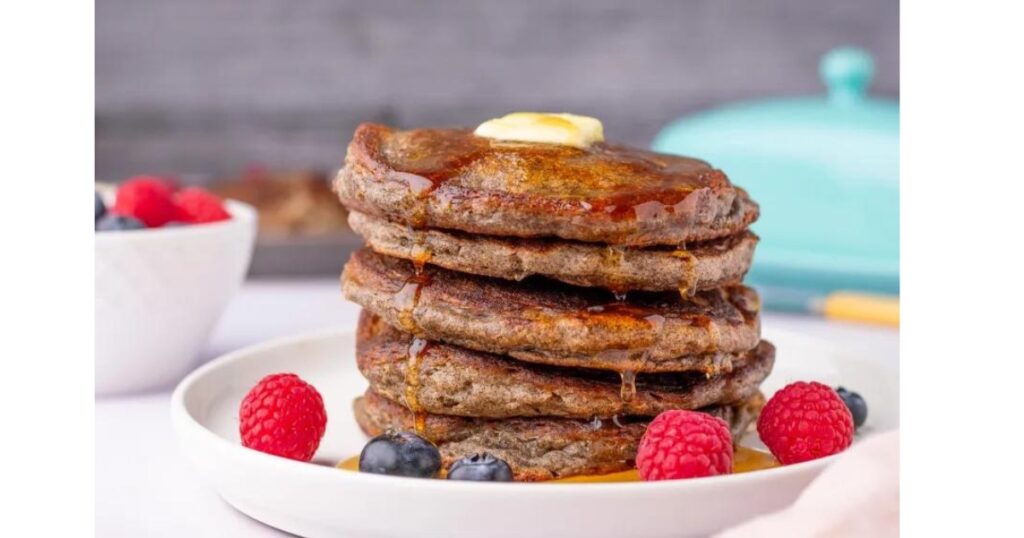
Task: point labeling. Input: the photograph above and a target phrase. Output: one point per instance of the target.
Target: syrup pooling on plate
(352, 464)
(744, 460)
(417, 349)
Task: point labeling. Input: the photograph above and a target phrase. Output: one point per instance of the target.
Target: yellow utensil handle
(880, 309)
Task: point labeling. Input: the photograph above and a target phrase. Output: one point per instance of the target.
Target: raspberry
(197, 206)
(805, 421)
(283, 415)
(146, 198)
(684, 444)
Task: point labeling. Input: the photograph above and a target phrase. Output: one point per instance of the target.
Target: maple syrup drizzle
(624, 358)
(652, 210)
(417, 348)
(687, 286)
(422, 187)
(407, 298)
(659, 186)
(749, 305)
(717, 363)
(417, 184)
(420, 253)
(628, 389)
(709, 326)
(614, 257)
(656, 321)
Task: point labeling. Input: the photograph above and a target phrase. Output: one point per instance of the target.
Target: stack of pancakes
(544, 302)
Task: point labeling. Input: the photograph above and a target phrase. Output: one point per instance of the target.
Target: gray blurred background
(209, 86)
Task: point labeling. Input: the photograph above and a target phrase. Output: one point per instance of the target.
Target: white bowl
(159, 293)
(319, 500)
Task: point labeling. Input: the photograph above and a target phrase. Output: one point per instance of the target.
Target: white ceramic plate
(319, 500)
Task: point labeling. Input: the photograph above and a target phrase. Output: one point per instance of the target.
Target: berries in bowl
(149, 202)
(167, 261)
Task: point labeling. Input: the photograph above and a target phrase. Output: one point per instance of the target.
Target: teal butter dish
(825, 170)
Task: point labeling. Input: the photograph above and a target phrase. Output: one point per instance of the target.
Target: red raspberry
(146, 198)
(283, 415)
(805, 421)
(197, 206)
(684, 444)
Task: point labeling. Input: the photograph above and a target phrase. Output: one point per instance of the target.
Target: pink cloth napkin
(858, 495)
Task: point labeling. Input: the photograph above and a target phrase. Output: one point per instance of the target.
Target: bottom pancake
(538, 448)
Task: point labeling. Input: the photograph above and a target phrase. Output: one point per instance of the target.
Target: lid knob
(846, 72)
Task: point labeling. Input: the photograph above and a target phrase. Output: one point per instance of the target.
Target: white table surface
(144, 487)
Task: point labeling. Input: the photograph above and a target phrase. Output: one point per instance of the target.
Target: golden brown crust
(700, 266)
(552, 323)
(456, 381)
(452, 179)
(536, 448)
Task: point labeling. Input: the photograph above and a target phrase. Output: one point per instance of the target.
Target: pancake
(607, 193)
(536, 448)
(700, 266)
(548, 322)
(444, 379)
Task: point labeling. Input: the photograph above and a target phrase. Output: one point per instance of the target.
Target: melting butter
(565, 129)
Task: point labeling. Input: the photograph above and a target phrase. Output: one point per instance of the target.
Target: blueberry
(481, 467)
(400, 454)
(101, 208)
(112, 223)
(858, 407)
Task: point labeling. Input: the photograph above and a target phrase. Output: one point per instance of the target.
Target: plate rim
(187, 426)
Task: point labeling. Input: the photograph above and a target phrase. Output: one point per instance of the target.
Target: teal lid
(825, 170)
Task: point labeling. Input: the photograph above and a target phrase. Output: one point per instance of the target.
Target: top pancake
(607, 193)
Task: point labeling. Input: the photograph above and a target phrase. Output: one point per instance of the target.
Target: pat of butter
(565, 129)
